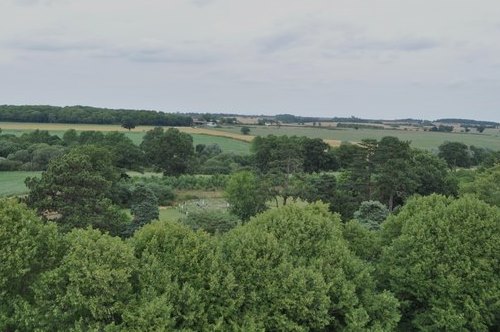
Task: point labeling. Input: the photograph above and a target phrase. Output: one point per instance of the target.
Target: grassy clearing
(420, 139)
(183, 208)
(12, 183)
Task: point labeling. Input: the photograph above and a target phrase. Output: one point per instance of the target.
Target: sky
(384, 59)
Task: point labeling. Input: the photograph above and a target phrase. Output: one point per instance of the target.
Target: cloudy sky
(367, 58)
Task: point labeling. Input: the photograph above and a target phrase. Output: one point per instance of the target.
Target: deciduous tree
(441, 260)
(245, 195)
(170, 150)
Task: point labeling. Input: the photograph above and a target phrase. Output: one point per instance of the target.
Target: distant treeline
(90, 115)
(358, 126)
(289, 118)
(471, 123)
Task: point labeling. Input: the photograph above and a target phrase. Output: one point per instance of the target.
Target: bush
(9, 165)
(211, 221)
(193, 182)
(163, 193)
(245, 130)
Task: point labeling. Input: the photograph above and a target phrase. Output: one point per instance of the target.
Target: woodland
(375, 236)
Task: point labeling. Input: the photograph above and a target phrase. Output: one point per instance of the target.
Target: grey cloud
(36, 2)
(167, 55)
(101, 49)
(362, 45)
(281, 41)
(202, 3)
(51, 45)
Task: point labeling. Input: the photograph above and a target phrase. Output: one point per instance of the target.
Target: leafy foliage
(245, 196)
(296, 273)
(245, 130)
(170, 150)
(442, 262)
(28, 247)
(211, 221)
(74, 191)
(144, 206)
(90, 287)
(371, 214)
(485, 186)
(183, 284)
(86, 114)
(456, 154)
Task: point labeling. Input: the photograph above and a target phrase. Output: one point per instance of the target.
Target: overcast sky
(368, 58)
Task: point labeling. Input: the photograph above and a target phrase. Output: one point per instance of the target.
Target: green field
(420, 139)
(12, 183)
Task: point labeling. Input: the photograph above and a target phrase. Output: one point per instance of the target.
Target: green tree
(170, 150)
(91, 286)
(74, 191)
(441, 260)
(486, 186)
(125, 154)
(183, 283)
(245, 195)
(70, 137)
(395, 181)
(432, 174)
(245, 130)
(28, 248)
(371, 214)
(144, 206)
(365, 243)
(316, 156)
(211, 221)
(296, 273)
(394, 177)
(456, 154)
(128, 123)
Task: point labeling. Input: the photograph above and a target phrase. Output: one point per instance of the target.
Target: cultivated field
(231, 140)
(12, 183)
(420, 139)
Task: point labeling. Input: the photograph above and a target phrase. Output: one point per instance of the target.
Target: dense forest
(376, 236)
(90, 115)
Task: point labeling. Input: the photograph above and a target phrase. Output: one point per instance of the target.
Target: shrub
(211, 221)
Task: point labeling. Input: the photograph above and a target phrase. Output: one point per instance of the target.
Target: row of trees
(91, 115)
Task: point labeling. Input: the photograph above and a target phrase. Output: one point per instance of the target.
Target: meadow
(12, 183)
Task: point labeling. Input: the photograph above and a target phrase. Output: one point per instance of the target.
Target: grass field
(12, 183)
(420, 139)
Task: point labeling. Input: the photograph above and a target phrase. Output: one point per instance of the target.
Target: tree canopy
(170, 150)
(442, 263)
